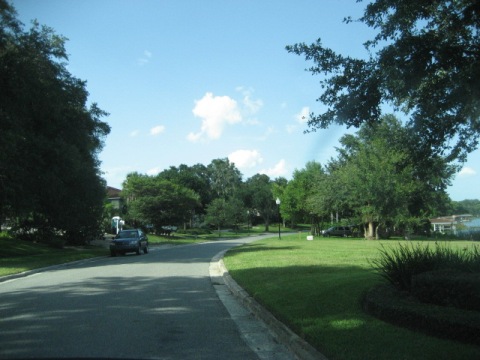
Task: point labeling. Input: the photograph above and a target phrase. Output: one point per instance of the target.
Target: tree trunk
(370, 231)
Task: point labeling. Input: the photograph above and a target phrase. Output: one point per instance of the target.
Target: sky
(190, 81)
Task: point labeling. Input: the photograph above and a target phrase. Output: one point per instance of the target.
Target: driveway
(156, 306)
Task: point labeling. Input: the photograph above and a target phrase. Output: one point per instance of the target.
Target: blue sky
(186, 82)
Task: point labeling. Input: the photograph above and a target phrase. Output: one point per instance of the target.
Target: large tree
(259, 191)
(424, 61)
(295, 204)
(158, 202)
(379, 176)
(225, 178)
(194, 177)
(49, 170)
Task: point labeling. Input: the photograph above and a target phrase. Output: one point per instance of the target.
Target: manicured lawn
(19, 256)
(316, 287)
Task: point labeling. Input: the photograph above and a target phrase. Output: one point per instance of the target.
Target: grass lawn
(19, 256)
(316, 286)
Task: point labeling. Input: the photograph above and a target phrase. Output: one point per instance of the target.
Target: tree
(259, 188)
(49, 169)
(225, 178)
(153, 200)
(424, 61)
(195, 178)
(295, 202)
(383, 180)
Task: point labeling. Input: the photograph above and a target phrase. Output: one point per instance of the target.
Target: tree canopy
(49, 170)
(158, 202)
(378, 179)
(424, 61)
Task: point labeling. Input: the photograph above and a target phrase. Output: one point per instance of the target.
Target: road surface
(161, 305)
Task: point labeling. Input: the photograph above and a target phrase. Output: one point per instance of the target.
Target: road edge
(300, 348)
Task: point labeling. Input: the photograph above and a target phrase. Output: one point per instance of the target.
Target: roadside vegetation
(19, 255)
(319, 287)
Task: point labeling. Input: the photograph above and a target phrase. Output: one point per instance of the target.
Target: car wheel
(138, 250)
(113, 253)
(145, 250)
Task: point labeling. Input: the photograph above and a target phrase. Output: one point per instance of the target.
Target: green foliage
(196, 178)
(448, 287)
(221, 212)
(194, 231)
(19, 256)
(316, 288)
(423, 61)
(391, 305)
(466, 207)
(298, 201)
(378, 179)
(225, 178)
(49, 171)
(153, 200)
(401, 263)
(259, 198)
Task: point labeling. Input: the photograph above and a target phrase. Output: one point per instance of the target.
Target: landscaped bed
(318, 288)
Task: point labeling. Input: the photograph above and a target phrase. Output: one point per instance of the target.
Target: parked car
(129, 241)
(338, 231)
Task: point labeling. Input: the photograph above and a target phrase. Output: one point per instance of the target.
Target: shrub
(400, 264)
(194, 231)
(448, 288)
(396, 307)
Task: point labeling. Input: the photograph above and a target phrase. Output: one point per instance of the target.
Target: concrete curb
(299, 347)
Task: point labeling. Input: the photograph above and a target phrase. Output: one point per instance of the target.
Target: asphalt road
(161, 305)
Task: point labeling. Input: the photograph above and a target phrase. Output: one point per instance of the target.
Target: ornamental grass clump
(400, 264)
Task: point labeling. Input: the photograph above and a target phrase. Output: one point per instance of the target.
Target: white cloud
(134, 133)
(216, 112)
(153, 171)
(252, 106)
(280, 169)
(302, 116)
(116, 175)
(157, 130)
(291, 128)
(467, 171)
(245, 158)
(145, 59)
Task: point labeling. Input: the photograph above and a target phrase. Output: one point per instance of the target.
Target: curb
(299, 347)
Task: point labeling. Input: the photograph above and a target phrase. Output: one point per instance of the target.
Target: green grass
(228, 234)
(316, 287)
(17, 256)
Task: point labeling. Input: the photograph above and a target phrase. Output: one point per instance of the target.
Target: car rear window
(126, 234)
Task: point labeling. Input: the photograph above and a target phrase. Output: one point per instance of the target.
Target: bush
(394, 306)
(448, 288)
(400, 264)
(194, 231)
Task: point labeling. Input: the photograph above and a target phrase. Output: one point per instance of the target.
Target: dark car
(338, 231)
(129, 241)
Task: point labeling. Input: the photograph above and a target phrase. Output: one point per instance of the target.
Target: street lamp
(278, 204)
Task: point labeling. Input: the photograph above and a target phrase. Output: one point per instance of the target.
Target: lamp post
(278, 204)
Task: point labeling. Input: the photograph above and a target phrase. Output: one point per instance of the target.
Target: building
(113, 196)
(450, 224)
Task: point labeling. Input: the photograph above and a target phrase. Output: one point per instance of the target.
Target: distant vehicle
(129, 241)
(338, 231)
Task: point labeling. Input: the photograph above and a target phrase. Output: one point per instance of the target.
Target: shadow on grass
(323, 305)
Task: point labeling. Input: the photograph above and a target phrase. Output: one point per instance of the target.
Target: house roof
(451, 219)
(113, 192)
